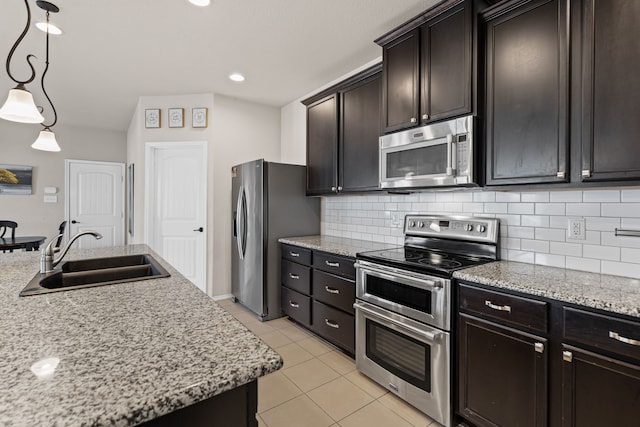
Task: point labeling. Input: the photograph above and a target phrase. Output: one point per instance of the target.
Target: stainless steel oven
(404, 304)
(440, 154)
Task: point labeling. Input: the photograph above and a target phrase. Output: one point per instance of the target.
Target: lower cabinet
(318, 292)
(503, 375)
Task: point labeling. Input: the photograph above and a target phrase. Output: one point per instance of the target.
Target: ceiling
(114, 51)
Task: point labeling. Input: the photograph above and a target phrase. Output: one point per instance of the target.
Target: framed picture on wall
(199, 117)
(152, 118)
(176, 117)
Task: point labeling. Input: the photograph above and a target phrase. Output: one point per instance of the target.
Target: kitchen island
(128, 353)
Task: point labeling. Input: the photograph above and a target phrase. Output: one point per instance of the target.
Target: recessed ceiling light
(53, 29)
(236, 77)
(201, 3)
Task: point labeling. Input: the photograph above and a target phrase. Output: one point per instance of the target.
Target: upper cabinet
(527, 71)
(343, 127)
(427, 67)
(610, 113)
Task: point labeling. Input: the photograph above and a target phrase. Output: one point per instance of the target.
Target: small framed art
(199, 117)
(176, 117)
(152, 118)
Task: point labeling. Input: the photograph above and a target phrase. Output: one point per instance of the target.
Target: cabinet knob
(333, 189)
(567, 356)
(413, 120)
(339, 188)
(539, 347)
(425, 117)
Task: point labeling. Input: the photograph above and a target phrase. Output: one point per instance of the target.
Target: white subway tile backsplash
(583, 209)
(550, 260)
(550, 209)
(533, 223)
(601, 196)
(565, 196)
(601, 252)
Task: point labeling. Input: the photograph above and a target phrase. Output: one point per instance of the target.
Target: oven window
(403, 356)
(430, 160)
(408, 296)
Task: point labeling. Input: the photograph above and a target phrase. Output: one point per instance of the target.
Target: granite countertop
(128, 352)
(335, 245)
(611, 293)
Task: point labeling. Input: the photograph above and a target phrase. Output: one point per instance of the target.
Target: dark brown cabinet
(343, 126)
(427, 67)
(610, 88)
(503, 371)
(318, 292)
(600, 370)
(527, 71)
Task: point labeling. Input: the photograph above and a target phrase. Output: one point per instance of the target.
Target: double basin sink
(96, 272)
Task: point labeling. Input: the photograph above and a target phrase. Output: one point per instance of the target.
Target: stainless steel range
(404, 305)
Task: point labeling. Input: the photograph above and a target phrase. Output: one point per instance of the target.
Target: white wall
(35, 217)
(238, 131)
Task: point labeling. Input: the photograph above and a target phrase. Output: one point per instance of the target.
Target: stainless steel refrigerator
(268, 202)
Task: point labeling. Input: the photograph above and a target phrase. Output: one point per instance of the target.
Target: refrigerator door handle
(241, 235)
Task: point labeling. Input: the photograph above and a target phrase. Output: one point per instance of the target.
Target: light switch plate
(50, 199)
(50, 190)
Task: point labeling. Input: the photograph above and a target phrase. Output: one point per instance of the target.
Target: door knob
(73, 221)
(199, 229)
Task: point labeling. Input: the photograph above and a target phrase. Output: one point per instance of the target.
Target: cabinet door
(446, 65)
(598, 391)
(322, 146)
(502, 375)
(359, 135)
(611, 106)
(527, 93)
(400, 82)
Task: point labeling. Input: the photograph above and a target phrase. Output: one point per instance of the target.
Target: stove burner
(404, 255)
(440, 262)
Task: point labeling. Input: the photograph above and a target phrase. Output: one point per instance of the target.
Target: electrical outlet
(576, 229)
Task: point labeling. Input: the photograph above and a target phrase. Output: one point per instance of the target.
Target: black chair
(4, 225)
(61, 228)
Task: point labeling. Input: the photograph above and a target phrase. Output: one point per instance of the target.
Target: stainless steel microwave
(440, 154)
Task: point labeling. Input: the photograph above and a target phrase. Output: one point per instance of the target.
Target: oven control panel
(452, 227)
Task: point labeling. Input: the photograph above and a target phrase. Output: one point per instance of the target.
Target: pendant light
(47, 139)
(19, 106)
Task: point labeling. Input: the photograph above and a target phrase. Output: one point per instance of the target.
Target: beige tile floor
(319, 386)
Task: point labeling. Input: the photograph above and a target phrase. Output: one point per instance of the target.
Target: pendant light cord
(44, 73)
(15, 46)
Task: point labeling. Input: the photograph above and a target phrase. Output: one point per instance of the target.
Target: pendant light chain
(15, 46)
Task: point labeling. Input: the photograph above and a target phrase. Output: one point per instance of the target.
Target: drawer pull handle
(294, 304)
(294, 254)
(332, 290)
(332, 264)
(294, 276)
(331, 324)
(506, 308)
(616, 336)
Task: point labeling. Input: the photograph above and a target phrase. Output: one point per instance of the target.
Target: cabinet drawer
(296, 276)
(604, 332)
(507, 308)
(296, 306)
(335, 264)
(296, 254)
(334, 325)
(333, 290)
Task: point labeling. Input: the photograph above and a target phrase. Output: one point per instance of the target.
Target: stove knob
(482, 229)
(421, 224)
(412, 224)
(468, 227)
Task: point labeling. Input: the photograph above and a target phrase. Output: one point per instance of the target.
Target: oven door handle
(429, 336)
(395, 276)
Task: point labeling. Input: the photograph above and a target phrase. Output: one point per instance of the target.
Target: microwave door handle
(452, 159)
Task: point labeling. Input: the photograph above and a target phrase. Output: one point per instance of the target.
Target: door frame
(150, 151)
(67, 192)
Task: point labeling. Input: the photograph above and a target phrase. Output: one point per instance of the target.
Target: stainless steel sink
(96, 272)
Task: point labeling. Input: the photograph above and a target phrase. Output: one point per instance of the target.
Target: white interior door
(176, 210)
(95, 201)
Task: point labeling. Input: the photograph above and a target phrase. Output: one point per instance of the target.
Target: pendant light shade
(46, 141)
(20, 107)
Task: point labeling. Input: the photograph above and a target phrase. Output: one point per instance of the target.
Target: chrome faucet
(47, 261)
